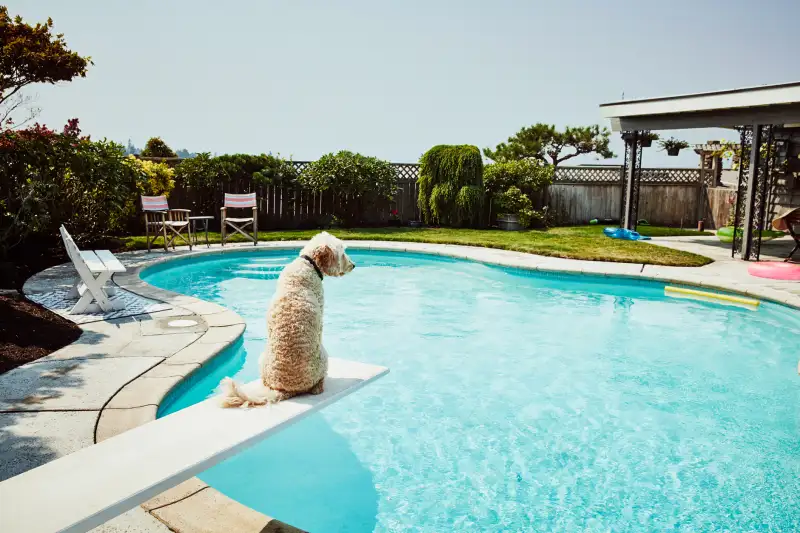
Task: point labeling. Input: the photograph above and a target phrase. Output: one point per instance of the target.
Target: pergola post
(752, 191)
(631, 176)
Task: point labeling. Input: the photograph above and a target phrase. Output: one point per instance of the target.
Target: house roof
(766, 104)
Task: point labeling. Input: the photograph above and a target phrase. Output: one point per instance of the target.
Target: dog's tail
(234, 396)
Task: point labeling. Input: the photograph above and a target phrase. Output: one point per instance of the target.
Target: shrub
(48, 179)
(259, 169)
(153, 179)
(510, 184)
(206, 175)
(357, 180)
(527, 175)
(155, 147)
(445, 171)
(514, 202)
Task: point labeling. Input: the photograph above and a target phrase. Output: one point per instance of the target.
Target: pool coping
(195, 506)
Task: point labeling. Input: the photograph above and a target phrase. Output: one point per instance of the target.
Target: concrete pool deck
(114, 377)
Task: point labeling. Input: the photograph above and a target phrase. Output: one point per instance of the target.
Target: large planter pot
(509, 223)
(673, 151)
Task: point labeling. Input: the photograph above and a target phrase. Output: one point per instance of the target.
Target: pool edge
(196, 503)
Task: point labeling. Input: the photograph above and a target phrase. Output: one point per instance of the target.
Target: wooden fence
(578, 194)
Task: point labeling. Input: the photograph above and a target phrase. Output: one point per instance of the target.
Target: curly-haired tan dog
(295, 362)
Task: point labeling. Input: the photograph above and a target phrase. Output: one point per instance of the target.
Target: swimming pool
(517, 401)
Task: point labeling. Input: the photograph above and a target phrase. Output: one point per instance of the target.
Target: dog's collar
(313, 264)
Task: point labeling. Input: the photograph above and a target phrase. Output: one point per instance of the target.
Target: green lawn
(573, 242)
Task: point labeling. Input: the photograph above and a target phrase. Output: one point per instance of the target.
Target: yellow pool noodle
(711, 296)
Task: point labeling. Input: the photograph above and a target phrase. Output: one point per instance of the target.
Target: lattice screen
(614, 175)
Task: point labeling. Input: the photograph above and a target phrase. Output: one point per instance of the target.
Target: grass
(573, 242)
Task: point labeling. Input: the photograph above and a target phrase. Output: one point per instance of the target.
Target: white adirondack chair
(240, 201)
(95, 268)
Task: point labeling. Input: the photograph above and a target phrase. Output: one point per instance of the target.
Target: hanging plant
(646, 138)
(673, 146)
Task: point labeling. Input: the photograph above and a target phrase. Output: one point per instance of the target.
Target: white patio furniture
(240, 201)
(193, 230)
(95, 269)
(159, 217)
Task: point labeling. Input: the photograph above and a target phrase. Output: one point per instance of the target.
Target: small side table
(193, 221)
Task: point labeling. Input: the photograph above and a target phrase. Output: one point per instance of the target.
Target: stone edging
(193, 505)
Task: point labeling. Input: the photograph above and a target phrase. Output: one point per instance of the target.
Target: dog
(294, 361)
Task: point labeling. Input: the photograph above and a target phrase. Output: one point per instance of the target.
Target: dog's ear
(325, 258)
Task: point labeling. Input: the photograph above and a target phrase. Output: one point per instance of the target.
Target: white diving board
(91, 486)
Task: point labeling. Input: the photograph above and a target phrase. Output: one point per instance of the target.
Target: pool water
(516, 401)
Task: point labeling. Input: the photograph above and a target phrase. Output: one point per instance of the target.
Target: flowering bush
(48, 179)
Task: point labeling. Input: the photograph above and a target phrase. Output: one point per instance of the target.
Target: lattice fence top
(670, 175)
(614, 175)
(300, 166)
(405, 171)
(410, 172)
(588, 174)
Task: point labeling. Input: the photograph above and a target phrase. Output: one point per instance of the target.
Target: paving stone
(115, 421)
(227, 318)
(222, 334)
(31, 439)
(179, 492)
(68, 384)
(99, 339)
(198, 353)
(201, 307)
(210, 511)
(168, 371)
(143, 391)
(158, 345)
(137, 520)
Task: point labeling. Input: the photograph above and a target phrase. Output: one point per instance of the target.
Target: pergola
(758, 113)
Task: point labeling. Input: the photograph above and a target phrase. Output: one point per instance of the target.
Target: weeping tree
(451, 185)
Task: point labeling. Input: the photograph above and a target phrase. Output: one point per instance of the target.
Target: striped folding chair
(159, 217)
(240, 201)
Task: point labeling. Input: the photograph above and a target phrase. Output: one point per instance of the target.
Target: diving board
(91, 486)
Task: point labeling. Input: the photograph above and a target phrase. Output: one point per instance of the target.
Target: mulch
(29, 331)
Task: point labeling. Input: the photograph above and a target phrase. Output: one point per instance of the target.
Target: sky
(302, 78)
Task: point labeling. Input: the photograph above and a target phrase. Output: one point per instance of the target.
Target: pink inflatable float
(775, 270)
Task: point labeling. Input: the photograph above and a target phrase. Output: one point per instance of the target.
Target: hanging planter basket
(673, 151)
(646, 143)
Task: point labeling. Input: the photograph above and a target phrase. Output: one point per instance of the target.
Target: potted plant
(646, 138)
(514, 210)
(673, 146)
(394, 218)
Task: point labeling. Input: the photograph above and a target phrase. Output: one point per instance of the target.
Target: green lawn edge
(572, 242)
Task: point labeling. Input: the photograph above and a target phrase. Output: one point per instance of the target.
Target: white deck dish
(89, 487)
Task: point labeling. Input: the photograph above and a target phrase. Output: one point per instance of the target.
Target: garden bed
(29, 331)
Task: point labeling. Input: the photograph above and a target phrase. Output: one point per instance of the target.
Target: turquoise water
(517, 402)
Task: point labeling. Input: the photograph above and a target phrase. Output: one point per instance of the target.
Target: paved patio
(114, 377)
